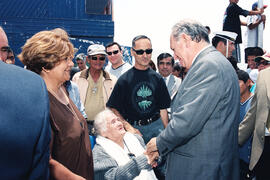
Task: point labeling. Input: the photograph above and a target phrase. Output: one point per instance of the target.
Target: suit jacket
(255, 120)
(173, 85)
(201, 138)
(24, 124)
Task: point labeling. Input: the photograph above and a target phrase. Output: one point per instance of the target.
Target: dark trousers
(262, 167)
(245, 173)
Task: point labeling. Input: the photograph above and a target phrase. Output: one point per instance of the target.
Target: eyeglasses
(5, 49)
(102, 58)
(263, 63)
(167, 63)
(114, 52)
(141, 51)
(10, 57)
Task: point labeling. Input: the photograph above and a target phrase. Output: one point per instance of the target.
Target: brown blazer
(256, 118)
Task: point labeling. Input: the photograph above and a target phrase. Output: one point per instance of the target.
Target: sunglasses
(141, 51)
(102, 58)
(10, 57)
(114, 52)
(167, 63)
(5, 49)
(263, 63)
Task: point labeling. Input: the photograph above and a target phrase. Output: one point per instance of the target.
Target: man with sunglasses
(140, 96)
(117, 65)
(95, 84)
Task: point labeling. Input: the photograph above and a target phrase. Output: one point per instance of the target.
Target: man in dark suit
(201, 138)
(24, 122)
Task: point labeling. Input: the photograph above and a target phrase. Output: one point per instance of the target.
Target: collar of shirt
(200, 52)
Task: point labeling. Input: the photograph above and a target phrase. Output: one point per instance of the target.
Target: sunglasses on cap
(141, 51)
(263, 62)
(5, 49)
(114, 52)
(102, 58)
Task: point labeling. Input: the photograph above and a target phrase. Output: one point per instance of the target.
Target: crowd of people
(198, 117)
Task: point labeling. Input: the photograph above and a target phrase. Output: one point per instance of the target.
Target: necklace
(66, 102)
(130, 154)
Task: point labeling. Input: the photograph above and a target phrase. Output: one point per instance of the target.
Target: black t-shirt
(232, 21)
(139, 94)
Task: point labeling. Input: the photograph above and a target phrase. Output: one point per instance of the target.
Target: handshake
(152, 152)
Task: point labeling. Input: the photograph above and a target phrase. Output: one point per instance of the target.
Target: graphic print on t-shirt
(143, 97)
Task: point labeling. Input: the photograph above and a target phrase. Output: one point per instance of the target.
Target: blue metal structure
(22, 18)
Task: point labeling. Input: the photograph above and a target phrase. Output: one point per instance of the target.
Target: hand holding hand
(152, 158)
(151, 145)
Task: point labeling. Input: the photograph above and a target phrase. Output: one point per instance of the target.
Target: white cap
(226, 35)
(96, 49)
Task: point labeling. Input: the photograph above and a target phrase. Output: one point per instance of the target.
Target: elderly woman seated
(118, 154)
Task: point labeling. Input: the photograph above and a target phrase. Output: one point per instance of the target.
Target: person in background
(232, 23)
(257, 123)
(10, 57)
(95, 84)
(253, 21)
(245, 84)
(50, 54)
(176, 70)
(201, 139)
(80, 60)
(117, 65)
(24, 123)
(74, 94)
(165, 63)
(263, 61)
(119, 154)
(250, 54)
(223, 41)
(208, 29)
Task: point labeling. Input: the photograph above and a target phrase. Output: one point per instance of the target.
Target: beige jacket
(81, 79)
(257, 117)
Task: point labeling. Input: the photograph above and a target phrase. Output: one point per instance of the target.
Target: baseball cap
(95, 49)
(80, 56)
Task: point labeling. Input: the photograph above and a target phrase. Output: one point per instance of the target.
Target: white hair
(100, 122)
(194, 29)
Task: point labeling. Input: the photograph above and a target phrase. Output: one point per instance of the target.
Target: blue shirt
(74, 95)
(245, 150)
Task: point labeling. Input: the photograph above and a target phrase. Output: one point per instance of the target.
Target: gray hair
(138, 38)
(194, 29)
(100, 122)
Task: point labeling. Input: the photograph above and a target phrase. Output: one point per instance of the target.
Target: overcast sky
(155, 19)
